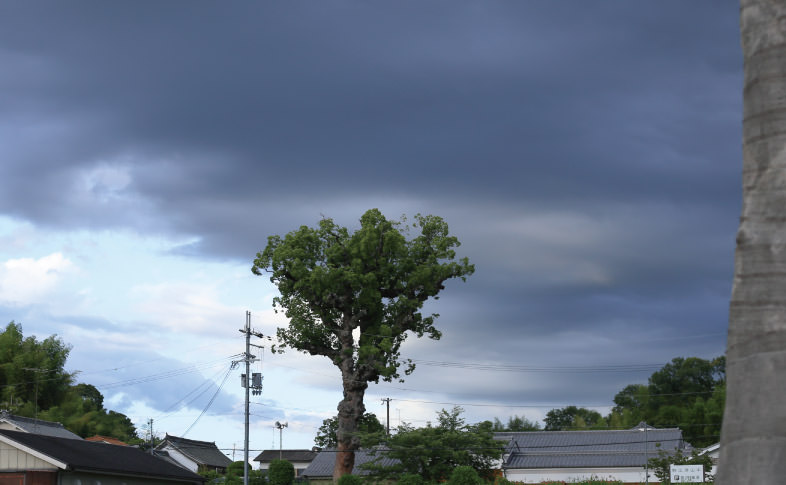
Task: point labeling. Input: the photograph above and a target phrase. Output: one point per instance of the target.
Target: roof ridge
(25, 419)
(187, 440)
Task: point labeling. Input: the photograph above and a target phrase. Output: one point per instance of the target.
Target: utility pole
(35, 412)
(280, 427)
(387, 422)
(152, 436)
(255, 382)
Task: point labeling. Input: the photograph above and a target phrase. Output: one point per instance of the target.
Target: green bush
(464, 475)
(350, 480)
(281, 472)
(410, 479)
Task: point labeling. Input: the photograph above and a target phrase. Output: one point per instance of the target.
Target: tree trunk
(753, 439)
(350, 410)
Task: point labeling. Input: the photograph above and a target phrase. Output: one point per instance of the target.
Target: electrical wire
(226, 376)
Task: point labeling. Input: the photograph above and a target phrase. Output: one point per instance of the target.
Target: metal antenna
(280, 437)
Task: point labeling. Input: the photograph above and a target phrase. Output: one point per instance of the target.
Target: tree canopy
(688, 393)
(354, 296)
(326, 436)
(434, 451)
(32, 375)
(516, 423)
(35, 383)
(572, 417)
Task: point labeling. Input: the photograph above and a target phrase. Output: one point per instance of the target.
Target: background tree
(32, 374)
(688, 393)
(572, 417)
(352, 297)
(516, 423)
(27, 363)
(434, 451)
(368, 425)
(753, 440)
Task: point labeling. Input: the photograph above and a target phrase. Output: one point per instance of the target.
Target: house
(38, 426)
(714, 452)
(320, 470)
(106, 439)
(197, 456)
(300, 459)
(540, 456)
(27, 458)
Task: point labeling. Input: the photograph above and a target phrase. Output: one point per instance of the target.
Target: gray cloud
(586, 154)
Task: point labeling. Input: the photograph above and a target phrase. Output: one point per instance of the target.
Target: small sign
(687, 473)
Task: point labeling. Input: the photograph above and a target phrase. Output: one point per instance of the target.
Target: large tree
(354, 296)
(753, 439)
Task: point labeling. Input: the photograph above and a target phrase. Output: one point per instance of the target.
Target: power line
(209, 402)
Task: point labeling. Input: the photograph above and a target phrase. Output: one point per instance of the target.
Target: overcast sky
(586, 154)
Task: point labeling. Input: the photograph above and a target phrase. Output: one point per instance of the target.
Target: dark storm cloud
(513, 100)
(586, 153)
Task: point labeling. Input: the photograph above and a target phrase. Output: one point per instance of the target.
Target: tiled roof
(577, 460)
(38, 426)
(290, 455)
(202, 452)
(322, 465)
(588, 448)
(81, 455)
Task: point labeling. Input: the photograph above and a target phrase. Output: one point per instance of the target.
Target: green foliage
(688, 393)
(410, 479)
(210, 476)
(31, 369)
(660, 465)
(572, 417)
(464, 475)
(234, 475)
(86, 416)
(368, 426)
(235, 469)
(281, 472)
(332, 282)
(350, 480)
(433, 452)
(516, 423)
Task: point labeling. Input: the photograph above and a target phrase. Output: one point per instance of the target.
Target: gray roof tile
(290, 455)
(203, 452)
(588, 448)
(38, 426)
(322, 465)
(94, 457)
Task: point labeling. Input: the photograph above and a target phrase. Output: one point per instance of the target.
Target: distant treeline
(33, 382)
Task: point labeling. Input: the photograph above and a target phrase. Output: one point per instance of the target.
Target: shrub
(281, 472)
(350, 480)
(410, 479)
(464, 475)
